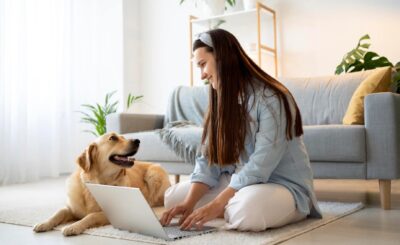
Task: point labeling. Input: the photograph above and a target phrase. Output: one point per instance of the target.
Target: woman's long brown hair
(227, 119)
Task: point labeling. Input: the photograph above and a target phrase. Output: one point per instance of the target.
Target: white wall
(313, 36)
(96, 67)
(131, 47)
(164, 51)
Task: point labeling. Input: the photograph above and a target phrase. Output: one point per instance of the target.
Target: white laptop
(127, 209)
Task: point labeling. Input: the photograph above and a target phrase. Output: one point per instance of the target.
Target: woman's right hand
(184, 209)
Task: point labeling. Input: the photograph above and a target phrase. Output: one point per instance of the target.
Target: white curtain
(54, 56)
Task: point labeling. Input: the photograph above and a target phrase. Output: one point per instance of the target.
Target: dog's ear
(85, 160)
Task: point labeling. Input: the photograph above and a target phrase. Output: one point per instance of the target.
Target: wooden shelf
(245, 16)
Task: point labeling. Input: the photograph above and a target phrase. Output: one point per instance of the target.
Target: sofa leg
(177, 177)
(384, 190)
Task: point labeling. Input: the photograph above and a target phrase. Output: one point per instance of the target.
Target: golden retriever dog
(108, 161)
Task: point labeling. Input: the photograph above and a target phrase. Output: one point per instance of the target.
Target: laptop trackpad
(175, 232)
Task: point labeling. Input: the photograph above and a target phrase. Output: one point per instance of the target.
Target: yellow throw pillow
(378, 81)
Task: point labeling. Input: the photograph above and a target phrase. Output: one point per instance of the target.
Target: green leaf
(113, 108)
(231, 2)
(89, 120)
(132, 99)
(365, 45)
(358, 55)
(365, 37)
(354, 55)
(139, 97)
(89, 107)
(372, 60)
(356, 66)
(85, 114)
(109, 95)
(129, 102)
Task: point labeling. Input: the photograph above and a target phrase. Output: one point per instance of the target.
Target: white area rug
(30, 204)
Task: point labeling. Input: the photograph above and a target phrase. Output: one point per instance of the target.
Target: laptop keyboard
(175, 232)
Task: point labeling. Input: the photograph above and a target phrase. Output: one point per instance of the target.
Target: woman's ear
(86, 159)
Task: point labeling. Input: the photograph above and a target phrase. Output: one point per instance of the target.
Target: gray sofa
(337, 151)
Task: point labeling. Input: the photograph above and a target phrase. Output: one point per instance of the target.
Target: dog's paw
(43, 227)
(72, 230)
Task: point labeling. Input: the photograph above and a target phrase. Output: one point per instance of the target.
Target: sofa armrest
(382, 123)
(123, 123)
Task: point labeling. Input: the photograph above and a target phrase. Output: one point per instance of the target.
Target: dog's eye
(113, 138)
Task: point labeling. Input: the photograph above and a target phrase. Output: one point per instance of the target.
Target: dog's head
(109, 153)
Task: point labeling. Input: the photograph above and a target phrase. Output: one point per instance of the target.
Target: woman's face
(208, 67)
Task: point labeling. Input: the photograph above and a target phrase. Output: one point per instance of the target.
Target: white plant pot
(213, 7)
(249, 4)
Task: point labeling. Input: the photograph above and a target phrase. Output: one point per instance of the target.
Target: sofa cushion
(152, 148)
(324, 143)
(335, 143)
(378, 81)
(324, 100)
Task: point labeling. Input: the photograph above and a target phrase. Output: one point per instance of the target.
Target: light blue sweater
(268, 156)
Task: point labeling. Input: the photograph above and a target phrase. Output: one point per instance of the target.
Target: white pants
(252, 208)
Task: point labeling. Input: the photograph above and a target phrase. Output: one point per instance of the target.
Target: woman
(254, 169)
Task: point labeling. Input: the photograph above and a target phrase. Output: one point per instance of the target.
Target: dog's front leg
(89, 221)
(62, 216)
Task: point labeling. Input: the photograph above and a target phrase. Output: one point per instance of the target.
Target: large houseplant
(360, 58)
(96, 116)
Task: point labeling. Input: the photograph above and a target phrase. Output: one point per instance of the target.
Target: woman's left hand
(200, 216)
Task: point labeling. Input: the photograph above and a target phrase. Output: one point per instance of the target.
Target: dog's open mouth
(123, 160)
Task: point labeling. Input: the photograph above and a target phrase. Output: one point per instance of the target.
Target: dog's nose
(136, 142)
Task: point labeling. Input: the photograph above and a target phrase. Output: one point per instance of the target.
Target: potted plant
(359, 59)
(97, 113)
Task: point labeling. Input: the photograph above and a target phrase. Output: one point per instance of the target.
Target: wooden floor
(372, 225)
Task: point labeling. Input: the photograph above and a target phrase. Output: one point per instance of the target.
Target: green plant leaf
(356, 66)
(97, 118)
(129, 102)
(231, 2)
(133, 99)
(111, 108)
(89, 107)
(372, 60)
(85, 114)
(109, 95)
(365, 37)
(89, 120)
(355, 54)
(365, 45)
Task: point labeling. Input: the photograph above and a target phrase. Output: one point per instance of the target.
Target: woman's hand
(184, 209)
(197, 190)
(201, 215)
(210, 211)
